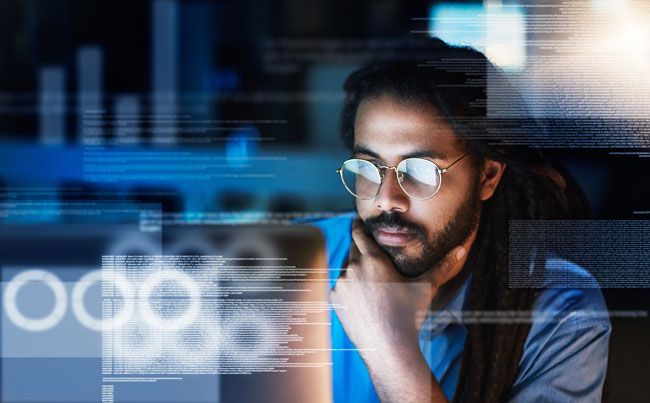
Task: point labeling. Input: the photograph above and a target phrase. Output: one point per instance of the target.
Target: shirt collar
(436, 321)
(457, 304)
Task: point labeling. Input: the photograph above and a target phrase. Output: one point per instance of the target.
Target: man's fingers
(353, 259)
(365, 244)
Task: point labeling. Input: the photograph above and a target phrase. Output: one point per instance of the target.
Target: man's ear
(491, 173)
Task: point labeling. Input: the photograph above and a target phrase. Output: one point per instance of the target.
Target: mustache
(395, 222)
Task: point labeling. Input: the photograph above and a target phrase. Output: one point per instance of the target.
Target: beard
(457, 229)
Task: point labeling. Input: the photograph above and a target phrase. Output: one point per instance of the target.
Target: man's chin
(410, 268)
(411, 250)
(407, 263)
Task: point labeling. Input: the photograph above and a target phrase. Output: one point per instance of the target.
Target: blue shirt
(564, 357)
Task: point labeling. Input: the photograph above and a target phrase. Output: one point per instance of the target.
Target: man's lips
(392, 237)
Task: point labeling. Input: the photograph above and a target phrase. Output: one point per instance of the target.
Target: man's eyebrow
(360, 149)
(425, 154)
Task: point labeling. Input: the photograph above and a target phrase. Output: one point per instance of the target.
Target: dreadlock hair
(454, 80)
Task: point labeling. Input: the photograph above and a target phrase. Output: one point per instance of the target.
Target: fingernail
(460, 253)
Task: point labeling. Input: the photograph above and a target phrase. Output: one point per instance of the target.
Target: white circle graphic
(79, 291)
(136, 346)
(247, 338)
(192, 311)
(197, 346)
(31, 324)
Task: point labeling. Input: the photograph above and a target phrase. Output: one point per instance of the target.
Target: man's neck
(449, 289)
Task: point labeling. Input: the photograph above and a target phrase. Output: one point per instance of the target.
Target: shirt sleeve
(569, 367)
(565, 354)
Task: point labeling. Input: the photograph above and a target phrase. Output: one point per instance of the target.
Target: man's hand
(377, 304)
(382, 311)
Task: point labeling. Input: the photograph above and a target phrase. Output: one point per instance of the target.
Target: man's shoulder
(335, 224)
(337, 233)
(570, 328)
(571, 295)
(336, 229)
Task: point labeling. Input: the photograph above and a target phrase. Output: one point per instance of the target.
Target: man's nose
(391, 197)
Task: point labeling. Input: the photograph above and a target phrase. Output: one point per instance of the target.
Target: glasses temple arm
(443, 170)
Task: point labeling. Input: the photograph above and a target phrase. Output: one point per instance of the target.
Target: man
(425, 259)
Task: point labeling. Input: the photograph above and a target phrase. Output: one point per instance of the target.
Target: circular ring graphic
(192, 312)
(31, 324)
(136, 345)
(247, 337)
(198, 345)
(86, 319)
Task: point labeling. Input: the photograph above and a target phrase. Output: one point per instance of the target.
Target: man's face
(415, 234)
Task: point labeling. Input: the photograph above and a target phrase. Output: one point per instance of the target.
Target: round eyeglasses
(419, 178)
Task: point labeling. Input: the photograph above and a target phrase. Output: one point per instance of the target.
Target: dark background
(224, 70)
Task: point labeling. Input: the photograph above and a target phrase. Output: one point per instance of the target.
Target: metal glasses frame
(382, 168)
